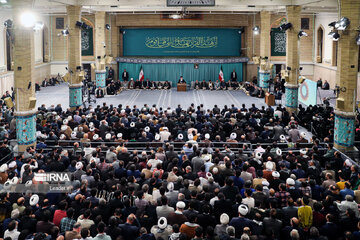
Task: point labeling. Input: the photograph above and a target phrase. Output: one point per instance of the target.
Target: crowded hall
(179, 120)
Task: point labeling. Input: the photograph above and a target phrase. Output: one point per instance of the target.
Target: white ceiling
(154, 6)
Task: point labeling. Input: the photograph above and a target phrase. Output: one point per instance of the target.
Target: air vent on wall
(251, 6)
(113, 6)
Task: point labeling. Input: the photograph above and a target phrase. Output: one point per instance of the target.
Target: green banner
(87, 43)
(181, 42)
(278, 42)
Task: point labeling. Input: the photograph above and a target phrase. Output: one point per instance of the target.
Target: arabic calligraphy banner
(87, 43)
(278, 42)
(181, 42)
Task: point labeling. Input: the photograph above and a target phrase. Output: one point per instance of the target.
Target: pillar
(24, 59)
(74, 56)
(292, 58)
(264, 72)
(100, 50)
(346, 79)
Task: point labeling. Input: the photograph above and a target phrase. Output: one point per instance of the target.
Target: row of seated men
(217, 85)
(116, 86)
(147, 84)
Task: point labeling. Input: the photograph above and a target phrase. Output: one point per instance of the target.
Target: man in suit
(204, 85)
(111, 73)
(138, 84)
(233, 76)
(167, 85)
(125, 75)
(261, 93)
(326, 85)
(147, 84)
(99, 93)
(181, 80)
(197, 85)
(130, 229)
(223, 85)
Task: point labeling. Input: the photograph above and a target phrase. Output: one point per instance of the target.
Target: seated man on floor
(160, 85)
(181, 80)
(255, 92)
(204, 85)
(167, 85)
(223, 85)
(197, 85)
(234, 84)
(153, 85)
(326, 85)
(261, 93)
(217, 85)
(147, 84)
(110, 89)
(131, 84)
(118, 86)
(138, 84)
(99, 93)
(211, 85)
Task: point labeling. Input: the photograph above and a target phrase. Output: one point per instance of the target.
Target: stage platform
(163, 98)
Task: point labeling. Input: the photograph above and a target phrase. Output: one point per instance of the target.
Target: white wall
(4, 15)
(58, 67)
(38, 45)
(323, 19)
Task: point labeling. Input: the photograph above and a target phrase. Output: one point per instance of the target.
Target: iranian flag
(141, 74)
(221, 75)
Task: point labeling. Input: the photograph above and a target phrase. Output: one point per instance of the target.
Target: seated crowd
(292, 187)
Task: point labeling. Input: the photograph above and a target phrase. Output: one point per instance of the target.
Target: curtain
(172, 72)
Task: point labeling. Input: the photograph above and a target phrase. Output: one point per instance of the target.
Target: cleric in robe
(181, 80)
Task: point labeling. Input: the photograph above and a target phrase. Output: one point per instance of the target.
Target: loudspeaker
(9, 103)
(32, 102)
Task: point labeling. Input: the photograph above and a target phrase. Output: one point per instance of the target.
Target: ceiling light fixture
(358, 39)
(256, 30)
(82, 25)
(332, 24)
(65, 32)
(302, 34)
(38, 26)
(334, 36)
(342, 24)
(27, 19)
(285, 26)
(8, 23)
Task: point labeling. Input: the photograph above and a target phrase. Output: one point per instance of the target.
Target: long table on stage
(181, 87)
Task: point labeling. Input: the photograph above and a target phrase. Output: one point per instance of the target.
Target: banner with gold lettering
(181, 42)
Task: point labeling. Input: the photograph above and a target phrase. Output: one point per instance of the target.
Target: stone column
(74, 56)
(100, 75)
(24, 59)
(264, 72)
(292, 58)
(348, 51)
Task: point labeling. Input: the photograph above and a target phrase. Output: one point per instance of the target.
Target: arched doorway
(320, 45)
(9, 46)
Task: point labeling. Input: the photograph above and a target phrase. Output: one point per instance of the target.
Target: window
(305, 23)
